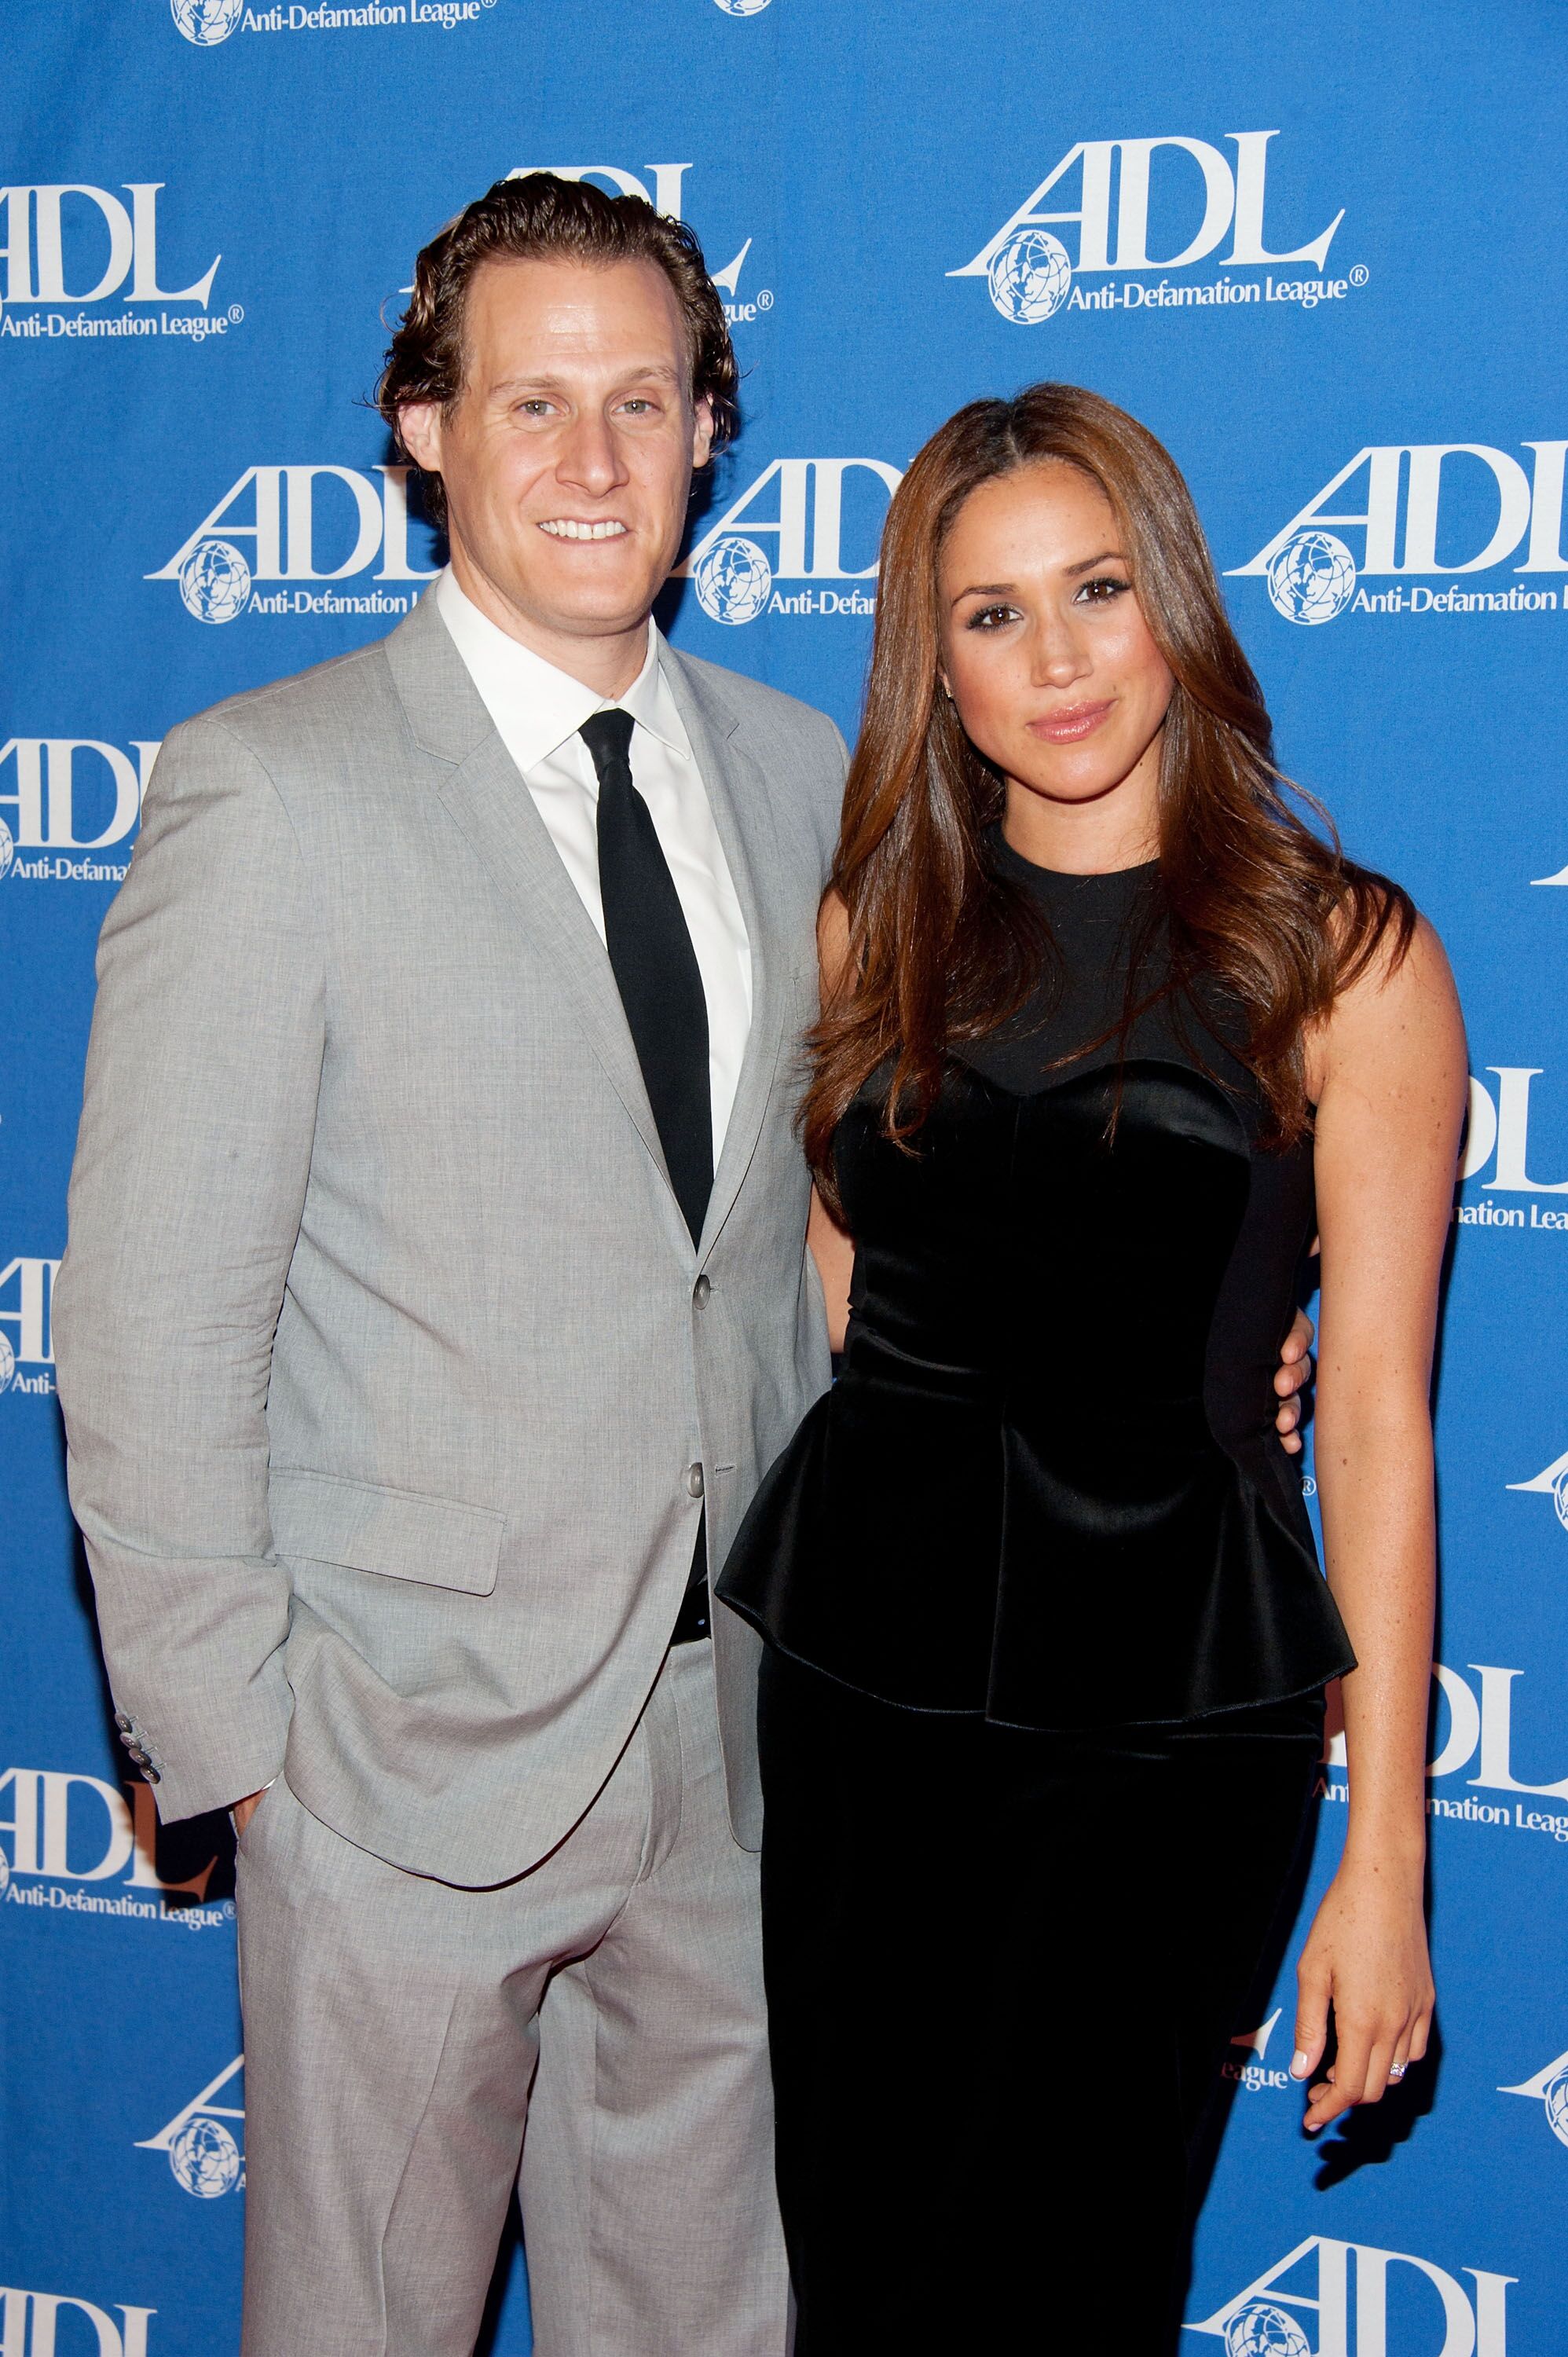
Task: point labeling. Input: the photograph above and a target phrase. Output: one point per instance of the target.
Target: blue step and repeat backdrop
(1320, 252)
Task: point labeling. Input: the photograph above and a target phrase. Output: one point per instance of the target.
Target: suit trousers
(593, 2031)
(990, 2135)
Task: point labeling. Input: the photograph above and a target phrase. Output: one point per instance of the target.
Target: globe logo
(1559, 1487)
(733, 580)
(741, 7)
(1260, 2330)
(7, 1363)
(206, 22)
(1556, 2101)
(215, 581)
(1312, 578)
(205, 2158)
(7, 849)
(1030, 276)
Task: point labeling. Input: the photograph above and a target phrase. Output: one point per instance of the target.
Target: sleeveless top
(1047, 1488)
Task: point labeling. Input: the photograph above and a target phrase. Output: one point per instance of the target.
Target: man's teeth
(567, 528)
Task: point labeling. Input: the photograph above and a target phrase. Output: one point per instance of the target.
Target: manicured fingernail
(1312, 2126)
(1298, 2066)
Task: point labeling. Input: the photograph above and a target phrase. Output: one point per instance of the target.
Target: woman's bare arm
(832, 1251)
(1388, 1073)
(835, 1255)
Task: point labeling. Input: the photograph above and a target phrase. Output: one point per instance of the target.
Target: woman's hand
(1366, 1956)
(1291, 1377)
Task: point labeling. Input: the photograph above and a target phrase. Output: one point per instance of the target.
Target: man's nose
(589, 457)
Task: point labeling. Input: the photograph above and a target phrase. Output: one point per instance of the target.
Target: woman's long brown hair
(941, 947)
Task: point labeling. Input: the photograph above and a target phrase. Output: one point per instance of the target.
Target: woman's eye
(989, 618)
(1103, 591)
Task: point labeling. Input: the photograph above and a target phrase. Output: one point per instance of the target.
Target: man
(436, 1296)
(482, 1104)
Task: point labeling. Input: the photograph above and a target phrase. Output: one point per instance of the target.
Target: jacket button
(694, 1482)
(152, 1775)
(702, 1290)
(127, 1738)
(138, 1754)
(121, 1720)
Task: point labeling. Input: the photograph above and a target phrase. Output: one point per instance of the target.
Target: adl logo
(1029, 272)
(29, 1283)
(57, 229)
(1409, 493)
(1549, 2089)
(734, 577)
(1259, 2321)
(206, 22)
(1552, 1481)
(297, 513)
(29, 2324)
(72, 1828)
(1499, 1128)
(60, 785)
(203, 2156)
(663, 190)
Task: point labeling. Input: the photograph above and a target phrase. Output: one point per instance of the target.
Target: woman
(1107, 1032)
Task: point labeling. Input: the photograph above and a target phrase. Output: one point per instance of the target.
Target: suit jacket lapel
(479, 784)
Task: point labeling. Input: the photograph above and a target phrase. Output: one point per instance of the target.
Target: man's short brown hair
(541, 217)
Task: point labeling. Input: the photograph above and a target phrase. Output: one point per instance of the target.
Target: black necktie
(660, 988)
(655, 968)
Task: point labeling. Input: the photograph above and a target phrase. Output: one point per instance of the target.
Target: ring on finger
(1397, 2069)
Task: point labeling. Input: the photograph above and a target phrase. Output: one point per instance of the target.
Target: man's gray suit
(393, 1383)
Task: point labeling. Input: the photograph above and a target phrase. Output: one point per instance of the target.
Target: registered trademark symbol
(765, 300)
(1359, 274)
(236, 313)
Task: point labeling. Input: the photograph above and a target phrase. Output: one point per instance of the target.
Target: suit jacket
(392, 1380)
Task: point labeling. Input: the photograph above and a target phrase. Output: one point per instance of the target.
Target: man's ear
(419, 430)
(702, 433)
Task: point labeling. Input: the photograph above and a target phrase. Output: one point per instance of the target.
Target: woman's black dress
(1043, 1695)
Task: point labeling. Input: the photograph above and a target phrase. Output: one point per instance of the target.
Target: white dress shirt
(538, 711)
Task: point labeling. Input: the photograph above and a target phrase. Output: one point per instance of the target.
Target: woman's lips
(1066, 727)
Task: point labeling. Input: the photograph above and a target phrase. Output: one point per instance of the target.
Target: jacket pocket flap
(398, 1533)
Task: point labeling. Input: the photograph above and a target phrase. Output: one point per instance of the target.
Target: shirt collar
(536, 705)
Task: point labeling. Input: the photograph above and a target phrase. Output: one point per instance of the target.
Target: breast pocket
(397, 1533)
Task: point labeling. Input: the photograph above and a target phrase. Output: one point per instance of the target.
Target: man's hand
(1291, 1378)
(244, 1811)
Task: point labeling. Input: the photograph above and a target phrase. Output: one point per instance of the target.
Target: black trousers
(1003, 1971)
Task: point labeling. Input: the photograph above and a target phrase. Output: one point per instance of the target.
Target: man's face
(567, 457)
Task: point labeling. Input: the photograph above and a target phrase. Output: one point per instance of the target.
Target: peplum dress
(1041, 1704)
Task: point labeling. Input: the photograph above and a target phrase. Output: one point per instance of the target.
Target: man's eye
(991, 618)
(638, 404)
(534, 408)
(1103, 591)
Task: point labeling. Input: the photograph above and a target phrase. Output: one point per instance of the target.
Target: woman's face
(1045, 651)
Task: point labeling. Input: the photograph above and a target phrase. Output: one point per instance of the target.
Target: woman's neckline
(1032, 868)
